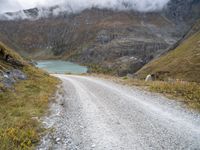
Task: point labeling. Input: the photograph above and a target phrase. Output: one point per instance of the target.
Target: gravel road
(92, 113)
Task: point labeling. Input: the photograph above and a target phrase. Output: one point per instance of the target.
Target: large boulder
(10, 77)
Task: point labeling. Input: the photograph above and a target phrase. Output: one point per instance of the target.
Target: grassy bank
(186, 92)
(181, 63)
(21, 106)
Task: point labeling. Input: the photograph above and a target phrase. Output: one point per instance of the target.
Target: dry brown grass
(182, 63)
(186, 92)
(20, 106)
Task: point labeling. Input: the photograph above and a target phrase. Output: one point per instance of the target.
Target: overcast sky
(15, 5)
(141, 5)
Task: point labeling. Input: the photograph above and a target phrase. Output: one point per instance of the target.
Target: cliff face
(183, 11)
(181, 63)
(121, 42)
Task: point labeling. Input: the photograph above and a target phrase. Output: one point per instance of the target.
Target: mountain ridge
(182, 63)
(118, 41)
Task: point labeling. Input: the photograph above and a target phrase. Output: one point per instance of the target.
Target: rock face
(184, 11)
(10, 68)
(10, 77)
(183, 63)
(119, 41)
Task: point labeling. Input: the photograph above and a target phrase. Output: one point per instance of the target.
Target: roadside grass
(20, 108)
(185, 92)
(182, 63)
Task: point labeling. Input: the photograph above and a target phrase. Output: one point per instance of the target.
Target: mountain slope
(24, 95)
(110, 41)
(181, 63)
(101, 37)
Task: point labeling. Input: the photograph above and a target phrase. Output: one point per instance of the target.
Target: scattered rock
(17, 74)
(58, 139)
(35, 118)
(104, 37)
(149, 78)
(8, 81)
(8, 78)
(93, 146)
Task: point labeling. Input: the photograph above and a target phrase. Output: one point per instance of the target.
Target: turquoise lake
(61, 67)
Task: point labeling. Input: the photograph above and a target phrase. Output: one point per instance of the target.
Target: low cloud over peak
(139, 5)
(79, 5)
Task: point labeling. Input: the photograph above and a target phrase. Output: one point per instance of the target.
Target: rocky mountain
(181, 63)
(110, 41)
(25, 93)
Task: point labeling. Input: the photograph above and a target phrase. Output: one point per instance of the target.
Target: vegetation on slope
(94, 68)
(186, 92)
(181, 68)
(21, 105)
(182, 63)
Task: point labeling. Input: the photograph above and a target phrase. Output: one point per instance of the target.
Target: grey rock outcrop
(10, 77)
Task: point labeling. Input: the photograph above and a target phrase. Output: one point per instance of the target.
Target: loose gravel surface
(92, 113)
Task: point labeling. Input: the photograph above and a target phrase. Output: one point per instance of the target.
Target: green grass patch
(95, 68)
(186, 92)
(20, 106)
(189, 93)
(13, 54)
(182, 63)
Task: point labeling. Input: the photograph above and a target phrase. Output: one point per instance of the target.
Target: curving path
(98, 114)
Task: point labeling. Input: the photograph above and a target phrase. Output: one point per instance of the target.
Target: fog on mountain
(76, 6)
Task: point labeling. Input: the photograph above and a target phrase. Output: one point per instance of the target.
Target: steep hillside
(102, 37)
(24, 95)
(180, 11)
(182, 63)
(110, 41)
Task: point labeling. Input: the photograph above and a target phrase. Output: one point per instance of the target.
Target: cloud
(9, 5)
(79, 5)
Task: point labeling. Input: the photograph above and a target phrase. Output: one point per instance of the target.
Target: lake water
(61, 67)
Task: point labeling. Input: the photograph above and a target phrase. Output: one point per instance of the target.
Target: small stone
(81, 127)
(5, 76)
(57, 139)
(35, 118)
(149, 78)
(93, 145)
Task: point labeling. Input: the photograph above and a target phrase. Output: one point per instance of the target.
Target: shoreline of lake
(61, 67)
